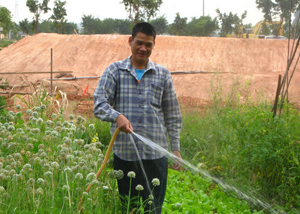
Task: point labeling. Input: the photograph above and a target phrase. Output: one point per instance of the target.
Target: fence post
(51, 68)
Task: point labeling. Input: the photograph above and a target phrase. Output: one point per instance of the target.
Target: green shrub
(2, 104)
(247, 147)
(5, 42)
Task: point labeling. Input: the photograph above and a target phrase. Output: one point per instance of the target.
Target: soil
(221, 68)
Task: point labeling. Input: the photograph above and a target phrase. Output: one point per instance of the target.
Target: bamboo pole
(277, 96)
(36, 72)
(101, 168)
(51, 65)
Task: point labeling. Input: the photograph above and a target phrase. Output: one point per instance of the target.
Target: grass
(5, 42)
(46, 164)
(247, 148)
(47, 161)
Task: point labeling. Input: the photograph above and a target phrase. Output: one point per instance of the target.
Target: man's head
(145, 28)
(142, 43)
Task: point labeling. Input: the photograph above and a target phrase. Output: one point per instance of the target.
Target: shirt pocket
(156, 94)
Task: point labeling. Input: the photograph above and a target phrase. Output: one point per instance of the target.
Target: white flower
(92, 126)
(66, 124)
(90, 176)
(48, 173)
(35, 114)
(131, 174)
(68, 169)
(39, 121)
(118, 174)
(2, 189)
(79, 176)
(105, 187)
(139, 187)
(40, 181)
(54, 116)
(95, 182)
(27, 167)
(40, 191)
(155, 182)
(29, 146)
(151, 197)
(55, 165)
(37, 160)
(11, 128)
(178, 205)
(30, 181)
(66, 187)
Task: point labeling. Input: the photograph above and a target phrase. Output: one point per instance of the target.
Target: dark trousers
(157, 168)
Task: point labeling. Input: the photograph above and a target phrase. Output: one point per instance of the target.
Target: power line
(16, 16)
(203, 7)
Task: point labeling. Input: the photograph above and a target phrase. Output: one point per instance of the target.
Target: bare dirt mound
(247, 67)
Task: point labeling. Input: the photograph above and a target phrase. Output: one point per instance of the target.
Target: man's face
(141, 48)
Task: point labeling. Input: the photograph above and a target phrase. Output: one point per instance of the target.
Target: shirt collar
(127, 65)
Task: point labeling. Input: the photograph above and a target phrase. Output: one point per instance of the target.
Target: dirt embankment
(247, 67)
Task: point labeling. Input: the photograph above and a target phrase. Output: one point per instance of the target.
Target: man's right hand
(124, 124)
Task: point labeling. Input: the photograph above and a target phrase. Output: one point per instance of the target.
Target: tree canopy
(160, 24)
(58, 16)
(141, 9)
(179, 25)
(202, 26)
(231, 23)
(5, 19)
(277, 8)
(37, 8)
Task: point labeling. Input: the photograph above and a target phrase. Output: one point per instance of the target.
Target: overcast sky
(113, 9)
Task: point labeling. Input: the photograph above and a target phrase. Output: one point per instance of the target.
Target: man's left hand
(177, 161)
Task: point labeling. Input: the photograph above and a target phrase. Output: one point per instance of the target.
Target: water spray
(164, 151)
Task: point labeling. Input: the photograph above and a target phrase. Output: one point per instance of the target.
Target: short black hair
(144, 27)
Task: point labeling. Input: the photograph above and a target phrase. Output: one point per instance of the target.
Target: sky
(114, 9)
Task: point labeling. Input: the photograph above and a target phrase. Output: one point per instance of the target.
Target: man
(138, 95)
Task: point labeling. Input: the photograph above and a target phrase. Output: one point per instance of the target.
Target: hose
(111, 143)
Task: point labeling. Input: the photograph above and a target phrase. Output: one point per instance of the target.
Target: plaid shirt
(150, 105)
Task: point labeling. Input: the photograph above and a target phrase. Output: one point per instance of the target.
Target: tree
(231, 23)
(277, 9)
(281, 8)
(160, 24)
(179, 26)
(69, 28)
(203, 26)
(123, 26)
(37, 8)
(5, 19)
(90, 24)
(46, 26)
(25, 26)
(107, 26)
(58, 16)
(141, 9)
